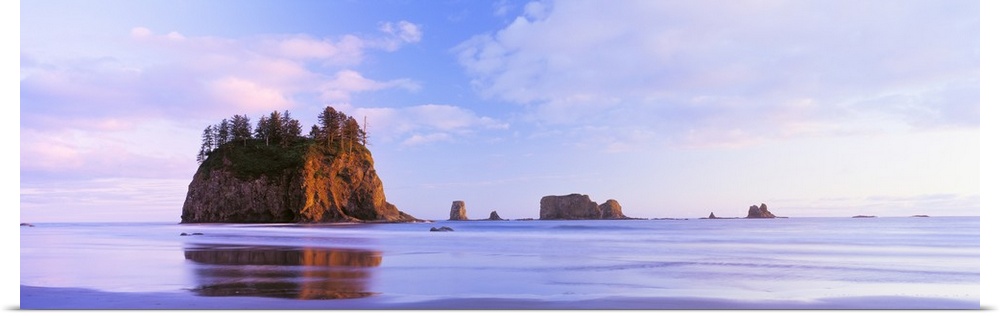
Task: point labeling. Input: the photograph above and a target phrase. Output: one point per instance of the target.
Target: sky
(673, 108)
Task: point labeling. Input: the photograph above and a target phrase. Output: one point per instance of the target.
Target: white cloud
(167, 75)
(419, 139)
(141, 32)
(246, 94)
(733, 71)
(402, 32)
(426, 123)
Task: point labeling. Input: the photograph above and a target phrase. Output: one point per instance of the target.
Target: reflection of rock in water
(310, 273)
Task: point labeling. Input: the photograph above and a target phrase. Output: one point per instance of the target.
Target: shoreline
(53, 298)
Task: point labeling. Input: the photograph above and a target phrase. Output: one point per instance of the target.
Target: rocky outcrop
(578, 206)
(711, 215)
(494, 216)
(458, 211)
(442, 229)
(302, 183)
(573, 206)
(611, 210)
(759, 212)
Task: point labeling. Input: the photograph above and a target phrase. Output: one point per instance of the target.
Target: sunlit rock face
(578, 206)
(611, 210)
(458, 211)
(573, 206)
(759, 212)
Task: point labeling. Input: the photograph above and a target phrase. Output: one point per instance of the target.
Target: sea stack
(458, 211)
(711, 215)
(494, 216)
(578, 206)
(759, 212)
(287, 178)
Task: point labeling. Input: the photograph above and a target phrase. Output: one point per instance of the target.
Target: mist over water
(796, 259)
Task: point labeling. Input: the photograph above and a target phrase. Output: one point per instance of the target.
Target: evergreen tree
(261, 132)
(207, 139)
(314, 132)
(329, 125)
(240, 128)
(352, 133)
(223, 133)
(290, 129)
(274, 127)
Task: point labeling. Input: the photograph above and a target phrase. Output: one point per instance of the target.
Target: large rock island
(578, 206)
(278, 176)
(759, 212)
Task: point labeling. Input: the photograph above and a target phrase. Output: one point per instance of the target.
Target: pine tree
(352, 133)
(240, 128)
(261, 131)
(290, 129)
(207, 139)
(222, 135)
(329, 125)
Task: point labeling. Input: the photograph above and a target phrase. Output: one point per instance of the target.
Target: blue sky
(673, 108)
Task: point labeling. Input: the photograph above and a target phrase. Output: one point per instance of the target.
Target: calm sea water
(797, 259)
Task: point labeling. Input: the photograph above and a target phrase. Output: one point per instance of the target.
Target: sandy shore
(44, 298)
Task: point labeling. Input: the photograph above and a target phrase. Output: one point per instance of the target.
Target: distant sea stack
(711, 215)
(578, 206)
(458, 211)
(759, 212)
(494, 216)
(281, 177)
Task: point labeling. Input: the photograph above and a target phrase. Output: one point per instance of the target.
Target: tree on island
(240, 129)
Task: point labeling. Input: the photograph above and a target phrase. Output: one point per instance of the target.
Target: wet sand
(45, 298)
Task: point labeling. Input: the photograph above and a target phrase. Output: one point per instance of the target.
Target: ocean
(785, 263)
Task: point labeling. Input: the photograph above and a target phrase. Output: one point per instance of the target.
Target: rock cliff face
(458, 211)
(759, 212)
(301, 184)
(573, 206)
(578, 206)
(611, 210)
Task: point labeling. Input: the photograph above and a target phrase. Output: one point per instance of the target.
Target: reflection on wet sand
(283, 272)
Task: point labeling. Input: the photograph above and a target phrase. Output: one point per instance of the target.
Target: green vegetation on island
(276, 143)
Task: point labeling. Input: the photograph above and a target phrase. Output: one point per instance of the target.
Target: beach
(76, 299)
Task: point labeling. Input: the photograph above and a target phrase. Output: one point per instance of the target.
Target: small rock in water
(184, 234)
(442, 229)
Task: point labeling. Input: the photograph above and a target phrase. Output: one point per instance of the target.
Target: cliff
(759, 212)
(299, 183)
(578, 206)
(458, 211)
(611, 210)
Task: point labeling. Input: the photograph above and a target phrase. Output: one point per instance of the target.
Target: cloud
(402, 32)
(722, 72)
(426, 123)
(247, 94)
(77, 112)
(348, 82)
